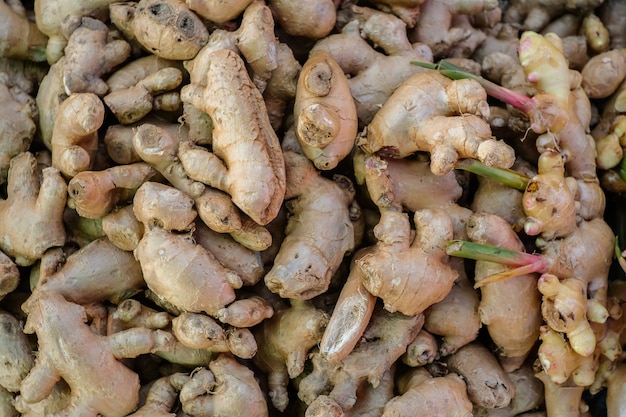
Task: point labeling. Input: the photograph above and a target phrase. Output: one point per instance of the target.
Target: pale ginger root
(422, 114)
(421, 276)
(227, 388)
(16, 351)
(35, 207)
(89, 55)
(615, 391)
(324, 111)
(371, 400)
(609, 151)
(384, 341)
(310, 253)
(167, 29)
(49, 17)
(488, 385)
(422, 350)
(122, 228)
(548, 200)
(515, 328)
(20, 37)
(9, 275)
(218, 11)
(74, 141)
(407, 10)
(256, 186)
(436, 396)
(436, 25)
(87, 362)
(535, 14)
(284, 342)
(310, 19)
(565, 399)
(94, 194)
(18, 124)
(373, 74)
(455, 318)
(281, 86)
(603, 73)
(160, 399)
(248, 311)
(132, 313)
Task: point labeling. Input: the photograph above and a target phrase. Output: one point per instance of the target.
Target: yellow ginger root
(210, 392)
(436, 396)
(384, 341)
(74, 141)
(16, 352)
(311, 19)
(420, 276)
(324, 111)
(312, 252)
(167, 29)
(548, 200)
(455, 318)
(488, 385)
(564, 308)
(256, 186)
(35, 207)
(514, 328)
(17, 126)
(218, 11)
(284, 342)
(368, 67)
(49, 17)
(87, 362)
(422, 114)
(95, 194)
(20, 38)
(139, 87)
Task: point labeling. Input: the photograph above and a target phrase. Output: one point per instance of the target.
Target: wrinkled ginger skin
(252, 168)
(422, 114)
(324, 111)
(318, 234)
(311, 19)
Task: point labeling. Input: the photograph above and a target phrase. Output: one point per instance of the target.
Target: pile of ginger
(312, 208)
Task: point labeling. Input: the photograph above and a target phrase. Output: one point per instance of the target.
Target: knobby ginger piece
(565, 399)
(218, 11)
(16, 353)
(422, 350)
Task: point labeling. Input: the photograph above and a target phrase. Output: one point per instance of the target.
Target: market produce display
(382, 208)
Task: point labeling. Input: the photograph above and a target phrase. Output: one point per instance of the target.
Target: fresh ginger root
(536, 14)
(16, 351)
(310, 253)
(35, 207)
(603, 73)
(565, 399)
(423, 115)
(284, 342)
(9, 275)
(256, 186)
(217, 11)
(74, 141)
(20, 38)
(420, 276)
(87, 362)
(311, 19)
(324, 111)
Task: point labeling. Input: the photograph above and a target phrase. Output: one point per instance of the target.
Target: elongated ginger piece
(324, 111)
(210, 392)
(256, 186)
(419, 387)
(35, 207)
(422, 114)
(88, 362)
(420, 276)
(74, 139)
(311, 253)
(284, 343)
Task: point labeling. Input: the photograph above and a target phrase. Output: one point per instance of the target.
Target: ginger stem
(507, 177)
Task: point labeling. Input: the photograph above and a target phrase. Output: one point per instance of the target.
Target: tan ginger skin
(514, 329)
(16, 350)
(311, 253)
(88, 362)
(41, 202)
(284, 342)
(324, 111)
(20, 38)
(422, 114)
(256, 186)
(420, 276)
(218, 11)
(311, 19)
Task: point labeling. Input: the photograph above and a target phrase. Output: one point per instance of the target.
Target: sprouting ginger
(420, 276)
(74, 141)
(324, 111)
(422, 114)
(311, 253)
(86, 361)
(284, 342)
(257, 186)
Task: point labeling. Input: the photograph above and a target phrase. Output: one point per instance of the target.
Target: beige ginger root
(324, 111)
(20, 37)
(16, 351)
(420, 276)
(311, 19)
(218, 11)
(311, 253)
(256, 186)
(423, 115)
